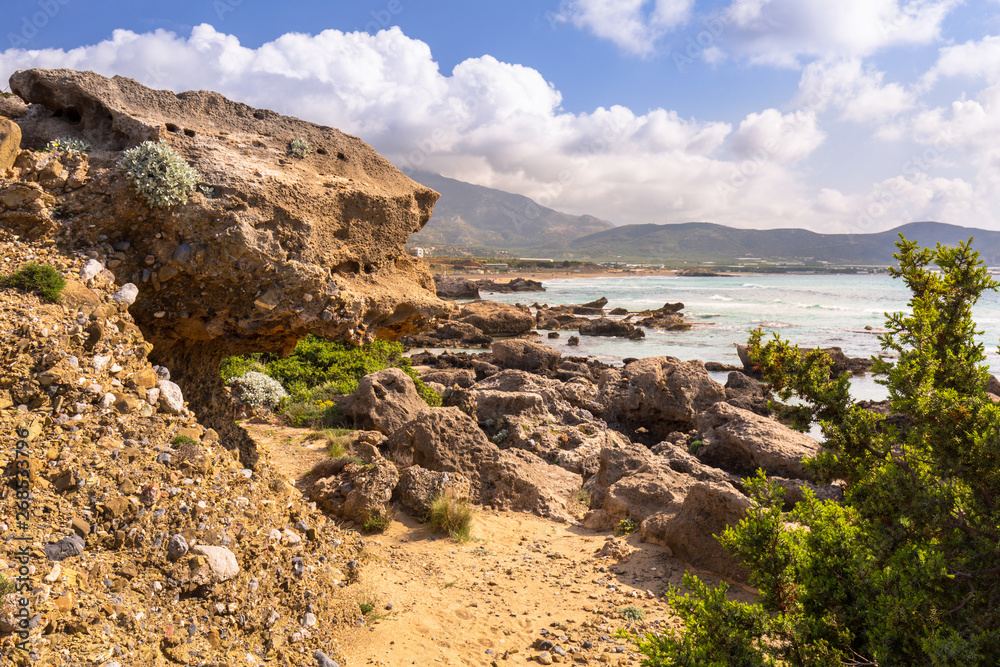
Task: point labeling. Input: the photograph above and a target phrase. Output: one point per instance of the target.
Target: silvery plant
(159, 174)
(257, 389)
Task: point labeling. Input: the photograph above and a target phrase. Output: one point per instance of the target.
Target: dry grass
(453, 516)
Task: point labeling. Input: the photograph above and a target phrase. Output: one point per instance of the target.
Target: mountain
(702, 241)
(475, 216)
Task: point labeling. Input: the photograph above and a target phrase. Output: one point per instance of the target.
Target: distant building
(495, 267)
(419, 252)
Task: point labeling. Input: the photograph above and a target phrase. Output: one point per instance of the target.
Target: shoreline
(556, 275)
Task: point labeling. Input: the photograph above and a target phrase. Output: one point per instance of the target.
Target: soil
(519, 581)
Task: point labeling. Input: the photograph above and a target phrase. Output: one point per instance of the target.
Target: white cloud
(980, 60)
(781, 32)
(771, 136)
(857, 91)
(633, 25)
(502, 125)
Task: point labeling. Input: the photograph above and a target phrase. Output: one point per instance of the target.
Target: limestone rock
(317, 240)
(608, 327)
(525, 355)
(740, 441)
(171, 399)
(418, 486)
(126, 295)
(10, 143)
(449, 334)
(221, 561)
(462, 377)
(384, 401)
(356, 492)
(497, 319)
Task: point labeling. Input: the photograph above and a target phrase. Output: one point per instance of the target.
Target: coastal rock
(510, 287)
(525, 355)
(461, 377)
(690, 531)
(275, 248)
(745, 392)
(521, 481)
(497, 319)
(353, 491)
(384, 401)
(607, 327)
(10, 143)
(418, 487)
(448, 334)
(558, 321)
(795, 491)
(739, 441)
(660, 394)
(455, 288)
(651, 488)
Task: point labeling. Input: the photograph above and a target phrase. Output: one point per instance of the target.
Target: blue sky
(848, 116)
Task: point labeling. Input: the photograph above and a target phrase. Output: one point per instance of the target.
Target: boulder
(795, 491)
(511, 286)
(171, 399)
(463, 377)
(277, 249)
(525, 355)
(355, 492)
(10, 143)
(521, 481)
(660, 394)
(690, 530)
(418, 487)
(606, 327)
(618, 311)
(597, 303)
(497, 319)
(455, 288)
(448, 334)
(12, 106)
(740, 442)
(641, 493)
(745, 392)
(384, 401)
(558, 321)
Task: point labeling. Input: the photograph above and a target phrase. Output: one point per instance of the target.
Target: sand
(435, 601)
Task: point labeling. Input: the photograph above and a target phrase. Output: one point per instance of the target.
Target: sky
(840, 116)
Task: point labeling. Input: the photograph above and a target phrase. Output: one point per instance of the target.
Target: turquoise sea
(809, 309)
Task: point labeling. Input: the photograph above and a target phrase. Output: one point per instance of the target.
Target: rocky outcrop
(356, 491)
(659, 394)
(840, 362)
(448, 440)
(462, 377)
(690, 531)
(668, 317)
(448, 334)
(418, 487)
(455, 288)
(10, 143)
(558, 320)
(511, 286)
(384, 401)
(270, 248)
(525, 355)
(740, 441)
(607, 327)
(745, 392)
(497, 319)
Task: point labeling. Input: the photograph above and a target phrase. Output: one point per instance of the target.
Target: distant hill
(475, 216)
(703, 241)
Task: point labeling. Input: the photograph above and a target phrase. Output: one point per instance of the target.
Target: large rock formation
(270, 249)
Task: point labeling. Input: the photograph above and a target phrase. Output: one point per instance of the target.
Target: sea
(811, 310)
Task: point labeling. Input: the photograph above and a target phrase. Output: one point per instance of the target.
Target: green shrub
(42, 279)
(634, 614)
(304, 414)
(453, 516)
(67, 145)
(237, 366)
(695, 446)
(904, 570)
(377, 522)
(626, 527)
(6, 586)
(181, 440)
(299, 148)
(159, 174)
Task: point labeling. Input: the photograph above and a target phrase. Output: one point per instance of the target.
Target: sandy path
(521, 580)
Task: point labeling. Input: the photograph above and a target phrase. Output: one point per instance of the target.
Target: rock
(171, 400)
(449, 334)
(384, 401)
(455, 288)
(67, 547)
(325, 233)
(598, 303)
(356, 492)
(795, 491)
(12, 107)
(660, 394)
(126, 295)
(606, 327)
(462, 377)
(521, 481)
(525, 355)
(745, 392)
(418, 486)
(10, 143)
(993, 385)
(690, 531)
(553, 334)
(618, 311)
(740, 442)
(573, 341)
(177, 547)
(90, 269)
(558, 320)
(615, 548)
(643, 492)
(511, 286)
(544, 658)
(322, 660)
(497, 319)
(221, 561)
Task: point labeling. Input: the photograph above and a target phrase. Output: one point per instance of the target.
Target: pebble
(322, 660)
(127, 294)
(67, 547)
(177, 547)
(90, 269)
(545, 658)
(309, 619)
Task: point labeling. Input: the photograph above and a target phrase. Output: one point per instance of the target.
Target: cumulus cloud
(633, 25)
(502, 125)
(782, 32)
(856, 90)
(980, 60)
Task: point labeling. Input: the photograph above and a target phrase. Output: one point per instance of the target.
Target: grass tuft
(39, 278)
(453, 516)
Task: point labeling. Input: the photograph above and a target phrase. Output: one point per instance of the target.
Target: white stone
(107, 400)
(221, 561)
(54, 574)
(171, 399)
(127, 294)
(291, 538)
(100, 362)
(90, 269)
(152, 396)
